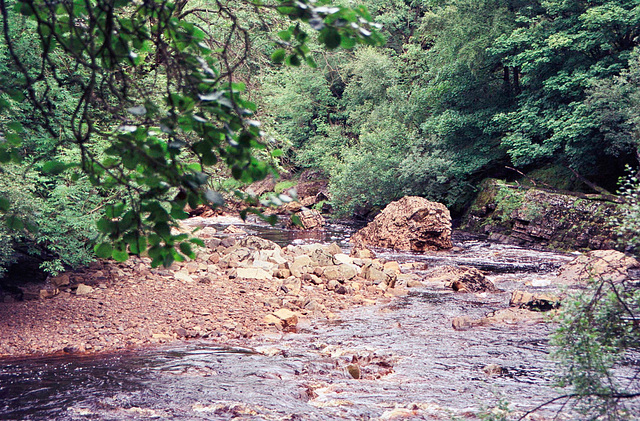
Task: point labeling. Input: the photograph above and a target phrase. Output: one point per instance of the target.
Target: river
(414, 364)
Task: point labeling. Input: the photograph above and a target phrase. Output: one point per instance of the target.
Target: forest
(444, 95)
(117, 115)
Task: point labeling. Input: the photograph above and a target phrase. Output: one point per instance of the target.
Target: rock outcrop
(411, 223)
(310, 219)
(599, 264)
(532, 216)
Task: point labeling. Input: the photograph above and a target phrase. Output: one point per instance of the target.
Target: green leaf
(103, 250)
(54, 167)
(285, 35)
(332, 38)
(185, 248)
(276, 153)
(5, 204)
(278, 56)
(119, 255)
(14, 223)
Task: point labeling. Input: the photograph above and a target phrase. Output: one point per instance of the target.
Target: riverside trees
(139, 99)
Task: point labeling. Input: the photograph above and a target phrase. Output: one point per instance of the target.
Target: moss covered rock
(530, 216)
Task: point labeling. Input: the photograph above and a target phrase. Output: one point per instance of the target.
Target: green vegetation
(597, 346)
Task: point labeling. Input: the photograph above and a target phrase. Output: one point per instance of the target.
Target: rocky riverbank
(238, 287)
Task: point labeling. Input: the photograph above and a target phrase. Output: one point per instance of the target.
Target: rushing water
(414, 365)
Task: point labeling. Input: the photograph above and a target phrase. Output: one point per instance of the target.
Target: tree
(157, 102)
(562, 51)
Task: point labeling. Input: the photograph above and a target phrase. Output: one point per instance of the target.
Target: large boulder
(598, 264)
(411, 223)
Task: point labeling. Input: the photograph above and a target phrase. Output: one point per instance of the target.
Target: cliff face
(530, 217)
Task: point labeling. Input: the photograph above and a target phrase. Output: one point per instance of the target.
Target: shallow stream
(414, 365)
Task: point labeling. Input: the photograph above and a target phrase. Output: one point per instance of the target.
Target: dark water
(413, 364)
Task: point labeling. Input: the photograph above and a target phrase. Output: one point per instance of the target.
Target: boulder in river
(411, 223)
(598, 264)
(309, 219)
(461, 279)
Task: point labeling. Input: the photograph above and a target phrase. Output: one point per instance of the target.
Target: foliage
(563, 50)
(598, 344)
(160, 91)
(628, 223)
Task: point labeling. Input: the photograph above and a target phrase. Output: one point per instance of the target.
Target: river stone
(292, 285)
(182, 276)
(461, 278)
(321, 257)
(60, 280)
(298, 264)
(333, 249)
(341, 258)
(411, 223)
(534, 302)
(84, 289)
(287, 316)
(253, 273)
(257, 243)
(598, 264)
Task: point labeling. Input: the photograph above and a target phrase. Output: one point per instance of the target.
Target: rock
(310, 219)
(84, 289)
(411, 223)
(60, 280)
(461, 278)
(598, 264)
(298, 264)
(233, 230)
(182, 276)
(494, 370)
(354, 371)
(414, 283)
(528, 217)
(253, 273)
(533, 302)
(289, 318)
(253, 242)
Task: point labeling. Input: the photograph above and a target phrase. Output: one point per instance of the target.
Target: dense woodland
(458, 91)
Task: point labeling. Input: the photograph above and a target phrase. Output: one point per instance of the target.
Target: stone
(341, 258)
(414, 283)
(310, 219)
(411, 223)
(598, 264)
(348, 271)
(298, 264)
(287, 316)
(533, 216)
(253, 273)
(461, 278)
(263, 186)
(60, 280)
(83, 289)
(183, 276)
(533, 302)
(395, 266)
(331, 273)
(354, 371)
(257, 243)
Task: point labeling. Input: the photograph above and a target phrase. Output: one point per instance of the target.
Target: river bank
(113, 306)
